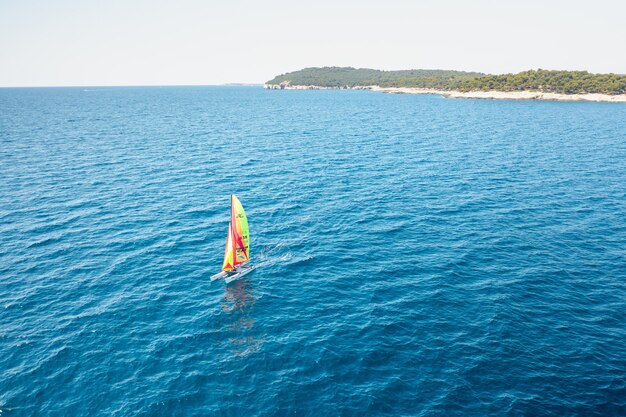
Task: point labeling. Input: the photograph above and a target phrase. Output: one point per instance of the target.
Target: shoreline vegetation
(527, 85)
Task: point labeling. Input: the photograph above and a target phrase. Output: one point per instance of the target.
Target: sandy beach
(487, 95)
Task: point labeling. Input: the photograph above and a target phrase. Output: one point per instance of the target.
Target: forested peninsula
(533, 84)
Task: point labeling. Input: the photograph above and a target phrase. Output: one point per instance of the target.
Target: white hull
(238, 273)
(222, 274)
(233, 275)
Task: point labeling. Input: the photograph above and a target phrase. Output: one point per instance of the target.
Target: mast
(233, 231)
(240, 232)
(237, 250)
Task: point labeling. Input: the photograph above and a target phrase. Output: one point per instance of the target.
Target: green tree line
(338, 77)
(566, 82)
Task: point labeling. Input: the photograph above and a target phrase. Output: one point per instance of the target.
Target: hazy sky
(89, 42)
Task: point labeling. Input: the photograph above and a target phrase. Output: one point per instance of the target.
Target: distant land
(527, 85)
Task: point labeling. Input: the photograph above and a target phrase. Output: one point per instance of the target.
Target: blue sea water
(418, 256)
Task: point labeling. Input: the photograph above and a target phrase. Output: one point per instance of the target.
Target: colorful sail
(240, 234)
(228, 264)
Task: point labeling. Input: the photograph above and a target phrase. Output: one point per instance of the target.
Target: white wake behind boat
(237, 252)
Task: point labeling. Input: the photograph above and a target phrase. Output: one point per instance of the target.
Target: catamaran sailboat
(237, 250)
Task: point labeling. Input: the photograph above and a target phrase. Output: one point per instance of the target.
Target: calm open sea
(418, 256)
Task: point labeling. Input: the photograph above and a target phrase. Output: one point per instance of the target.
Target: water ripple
(416, 255)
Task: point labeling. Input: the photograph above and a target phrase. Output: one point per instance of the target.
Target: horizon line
(301, 69)
(134, 85)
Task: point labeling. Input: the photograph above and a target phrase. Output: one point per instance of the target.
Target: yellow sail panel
(228, 264)
(241, 234)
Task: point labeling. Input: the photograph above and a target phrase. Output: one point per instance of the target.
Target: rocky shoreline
(487, 95)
